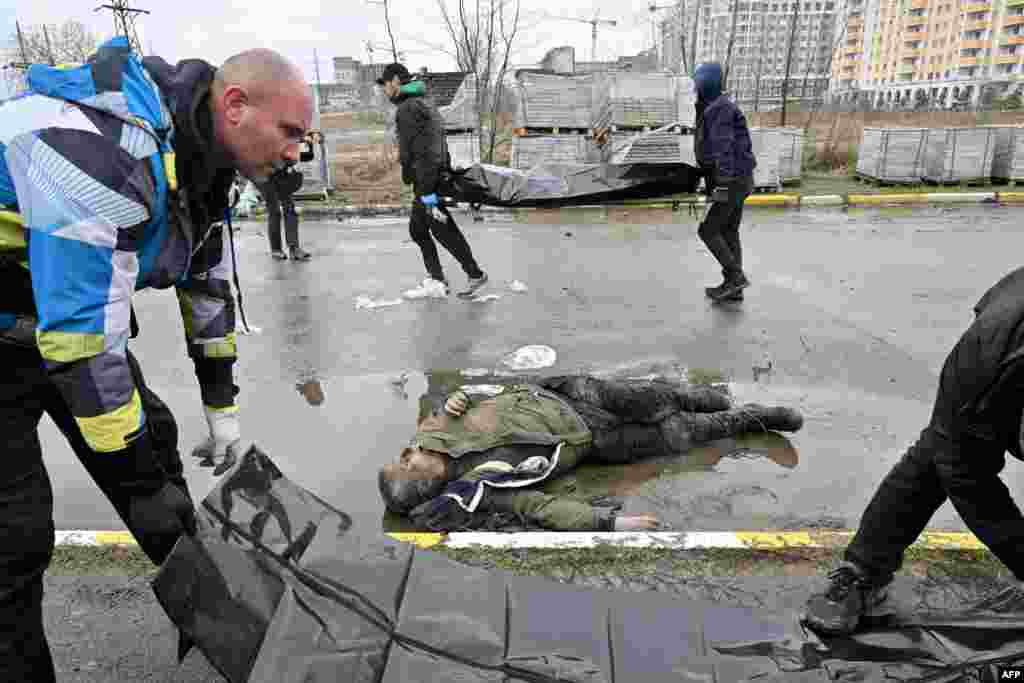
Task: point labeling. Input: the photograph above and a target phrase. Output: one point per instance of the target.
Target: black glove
(287, 182)
(155, 509)
(161, 517)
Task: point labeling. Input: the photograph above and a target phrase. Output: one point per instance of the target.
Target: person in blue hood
(115, 177)
(723, 150)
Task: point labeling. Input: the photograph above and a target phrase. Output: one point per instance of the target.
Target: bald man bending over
(113, 178)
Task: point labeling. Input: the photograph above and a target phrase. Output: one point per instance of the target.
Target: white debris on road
(531, 357)
(364, 301)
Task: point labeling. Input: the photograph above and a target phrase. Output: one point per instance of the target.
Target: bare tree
(483, 35)
(57, 44)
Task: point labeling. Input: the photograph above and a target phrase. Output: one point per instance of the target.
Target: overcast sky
(216, 29)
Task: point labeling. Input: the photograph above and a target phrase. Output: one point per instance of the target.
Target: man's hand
(456, 404)
(431, 202)
(225, 441)
(637, 523)
(159, 518)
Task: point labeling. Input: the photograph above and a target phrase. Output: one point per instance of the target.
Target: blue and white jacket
(106, 178)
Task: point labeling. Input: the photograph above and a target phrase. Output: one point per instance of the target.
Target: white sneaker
(428, 289)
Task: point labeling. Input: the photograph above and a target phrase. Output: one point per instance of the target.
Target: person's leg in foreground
(948, 460)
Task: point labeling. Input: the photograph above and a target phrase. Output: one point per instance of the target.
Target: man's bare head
(262, 109)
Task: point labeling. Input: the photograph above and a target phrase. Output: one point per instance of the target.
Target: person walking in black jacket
(723, 150)
(424, 157)
(958, 456)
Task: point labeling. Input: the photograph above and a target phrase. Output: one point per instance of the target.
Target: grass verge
(604, 560)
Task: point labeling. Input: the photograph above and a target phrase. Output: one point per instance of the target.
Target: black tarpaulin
(555, 185)
(276, 588)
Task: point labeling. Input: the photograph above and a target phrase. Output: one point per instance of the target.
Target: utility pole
(728, 51)
(49, 48)
(789, 61)
(760, 64)
(124, 21)
(693, 35)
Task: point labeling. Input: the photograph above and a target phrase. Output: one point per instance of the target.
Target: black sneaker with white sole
(850, 595)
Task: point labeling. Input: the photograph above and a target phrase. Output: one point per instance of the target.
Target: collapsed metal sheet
(554, 185)
(275, 587)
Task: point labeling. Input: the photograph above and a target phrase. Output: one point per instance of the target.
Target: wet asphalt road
(855, 309)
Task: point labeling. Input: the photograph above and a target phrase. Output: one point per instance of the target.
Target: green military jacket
(499, 434)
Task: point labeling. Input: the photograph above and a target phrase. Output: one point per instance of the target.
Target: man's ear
(233, 101)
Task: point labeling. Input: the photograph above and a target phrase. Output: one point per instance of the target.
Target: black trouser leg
(26, 518)
(900, 509)
(419, 231)
(452, 239)
(630, 401)
(720, 229)
(291, 222)
(273, 202)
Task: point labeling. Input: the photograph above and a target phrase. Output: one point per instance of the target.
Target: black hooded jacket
(422, 148)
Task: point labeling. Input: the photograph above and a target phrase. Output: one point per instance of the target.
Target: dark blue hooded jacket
(722, 141)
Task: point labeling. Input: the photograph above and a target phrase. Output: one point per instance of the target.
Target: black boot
(682, 431)
(732, 288)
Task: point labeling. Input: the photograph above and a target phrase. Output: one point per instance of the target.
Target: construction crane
(593, 23)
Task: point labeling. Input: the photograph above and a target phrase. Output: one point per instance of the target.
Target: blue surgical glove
(429, 200)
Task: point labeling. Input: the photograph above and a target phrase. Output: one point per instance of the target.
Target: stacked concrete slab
(461, 114)
(667, 147)
(767, 144)
(791, 154)
(464, 149)
(532, 150)
(638, 100)
(1008, 159)
(893, 154)
(959, 154)
(554, 100)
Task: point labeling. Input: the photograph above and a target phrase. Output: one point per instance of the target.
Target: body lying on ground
(483, 456)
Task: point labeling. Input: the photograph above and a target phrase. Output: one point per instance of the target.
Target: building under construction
(758, 42)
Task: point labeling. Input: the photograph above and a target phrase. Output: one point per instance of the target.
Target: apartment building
(898, 53)
(762, 32)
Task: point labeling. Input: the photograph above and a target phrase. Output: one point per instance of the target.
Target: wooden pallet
(877, 182)
(794, 182)
(1009, 182)
(767, 189)
(550, 130)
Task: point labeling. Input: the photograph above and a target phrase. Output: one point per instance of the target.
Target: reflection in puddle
(312, 391)
(622, 480)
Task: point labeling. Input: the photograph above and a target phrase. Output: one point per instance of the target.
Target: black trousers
(720, 230)
(628, 419)
(422, 226)
(276, 205)
(26, 500)
(948, 460)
